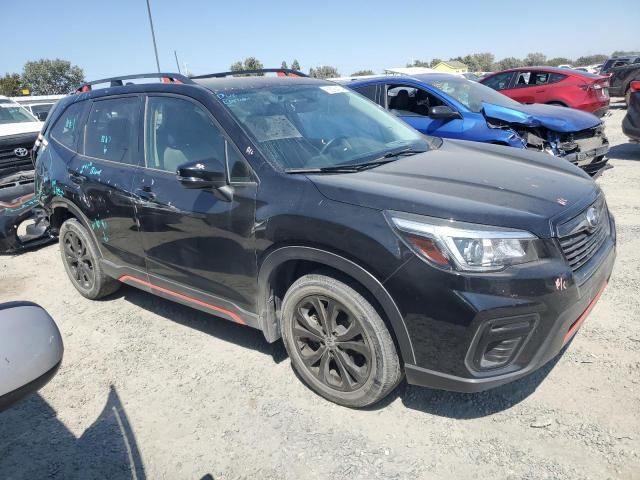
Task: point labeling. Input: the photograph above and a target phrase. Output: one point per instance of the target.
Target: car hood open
(472, 182)
(553, 117)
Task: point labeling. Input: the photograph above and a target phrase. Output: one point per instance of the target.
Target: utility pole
(153, 36)
(177, 63)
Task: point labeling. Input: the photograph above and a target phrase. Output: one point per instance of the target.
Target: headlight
(448, 244)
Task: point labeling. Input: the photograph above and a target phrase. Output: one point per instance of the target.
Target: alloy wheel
(331, 343)
(79, 260)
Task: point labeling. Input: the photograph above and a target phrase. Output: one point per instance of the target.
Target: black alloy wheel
(331, 343)
(78, 258)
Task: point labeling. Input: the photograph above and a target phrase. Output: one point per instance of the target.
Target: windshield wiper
(358, 167)
(403, 153)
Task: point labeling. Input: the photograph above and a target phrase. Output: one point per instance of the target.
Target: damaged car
(22, 224)
(452, 107)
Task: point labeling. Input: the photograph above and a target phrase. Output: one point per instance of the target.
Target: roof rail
(118, 81)
(282, 72)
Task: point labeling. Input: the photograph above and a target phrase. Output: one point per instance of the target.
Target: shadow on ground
(221, 328)
(434, 402)
(34, 444)
(625, 151)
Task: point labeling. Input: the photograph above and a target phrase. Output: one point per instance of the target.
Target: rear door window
(68, 127)
(112, 130)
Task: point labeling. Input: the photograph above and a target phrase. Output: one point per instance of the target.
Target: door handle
(77, 178)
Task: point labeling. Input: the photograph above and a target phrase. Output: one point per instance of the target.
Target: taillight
(635, 86)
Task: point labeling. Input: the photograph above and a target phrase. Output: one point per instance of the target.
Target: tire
(557, 104)
(361, 364)
(80, 259)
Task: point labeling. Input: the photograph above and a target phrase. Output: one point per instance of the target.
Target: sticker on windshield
(273, 127)
(333, 89)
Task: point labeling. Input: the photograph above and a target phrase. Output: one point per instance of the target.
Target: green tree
(284, 65)
(361, 73)
(483, 61)
(418, 63)
(250, 63)
(324, 71)
(295, 65)
(590, 60)
(51, 77)
(434, 62)
(10, 85)
(533, 59)
(506, 63)
(554, 62)
(623, 53)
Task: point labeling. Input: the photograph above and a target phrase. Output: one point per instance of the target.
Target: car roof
(255, 82)
(421, 77)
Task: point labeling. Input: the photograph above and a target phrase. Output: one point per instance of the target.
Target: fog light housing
(499, 341)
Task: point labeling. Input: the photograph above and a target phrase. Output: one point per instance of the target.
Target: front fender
(279, 256)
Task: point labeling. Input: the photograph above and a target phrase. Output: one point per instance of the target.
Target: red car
(554, 86)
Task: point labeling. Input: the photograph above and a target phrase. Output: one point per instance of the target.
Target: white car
(21, 226)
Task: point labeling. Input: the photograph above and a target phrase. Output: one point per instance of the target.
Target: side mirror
(202, 174)
(30, 349)
(443, 112)
(42, 116)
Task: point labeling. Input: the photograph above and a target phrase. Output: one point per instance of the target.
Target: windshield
(471, 94)
(318, 126)
(11, 112)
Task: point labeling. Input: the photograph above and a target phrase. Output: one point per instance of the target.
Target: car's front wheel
(337, 341)
(80, 258)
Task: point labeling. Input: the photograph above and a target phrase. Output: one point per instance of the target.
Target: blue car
(451, 106)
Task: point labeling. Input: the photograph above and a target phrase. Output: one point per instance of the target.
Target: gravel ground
(152, 389)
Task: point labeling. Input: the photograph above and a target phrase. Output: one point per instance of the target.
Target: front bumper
(445, 336)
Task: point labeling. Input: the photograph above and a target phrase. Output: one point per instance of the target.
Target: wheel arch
(61, 210)
(291, 262)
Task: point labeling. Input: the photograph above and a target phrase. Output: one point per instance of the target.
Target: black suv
(300, 208)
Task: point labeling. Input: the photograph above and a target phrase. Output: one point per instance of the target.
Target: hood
(471, 182)
(553, 117)
(8, 129)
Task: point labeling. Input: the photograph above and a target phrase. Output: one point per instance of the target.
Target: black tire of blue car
(338, 343)
(80, 258)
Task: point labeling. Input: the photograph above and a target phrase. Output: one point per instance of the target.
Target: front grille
(579, 240)
(9, 162)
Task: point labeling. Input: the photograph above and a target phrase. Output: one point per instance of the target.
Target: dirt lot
(152, 389)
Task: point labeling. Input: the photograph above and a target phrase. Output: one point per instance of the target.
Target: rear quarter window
(68, 128)
(368, 91)
(556, 77)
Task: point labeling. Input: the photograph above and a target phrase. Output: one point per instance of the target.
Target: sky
(108, 38)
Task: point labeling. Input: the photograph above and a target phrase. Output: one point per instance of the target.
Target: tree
(554, 62)
(361, 73)
(590, 60)
(324, 71)
(51, 77)
(250, 63)
(418, 63)
(533, 59)
(483, 61)
(506, 63)
(284, 65)
(10, 85)
(295, 65)
(434, 62)
(622, 53)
